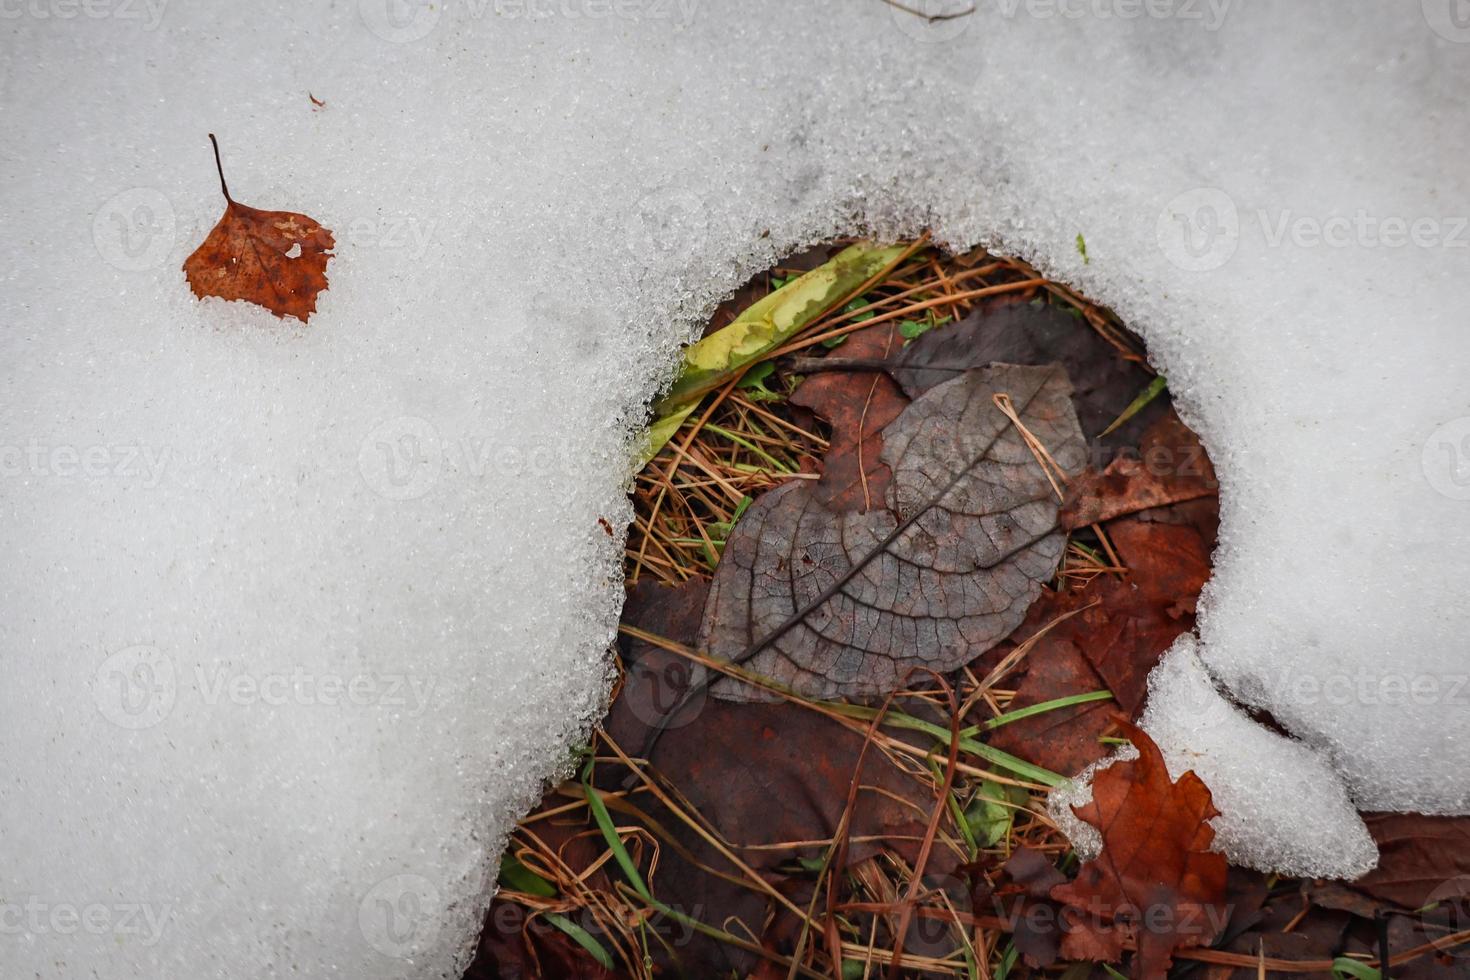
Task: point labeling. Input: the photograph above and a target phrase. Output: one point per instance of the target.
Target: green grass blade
(1005, 760)
(614, 842)
(1031, 710)
(1154, 389)
(1343, 967)
(517, 877)
(581, 937)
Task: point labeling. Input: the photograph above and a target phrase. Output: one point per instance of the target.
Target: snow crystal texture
(295, 620)
(1280, 804)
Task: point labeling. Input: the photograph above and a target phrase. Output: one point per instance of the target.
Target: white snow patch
(294, 621)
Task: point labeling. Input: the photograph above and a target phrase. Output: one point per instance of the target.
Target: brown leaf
(1035, 930)
(1064, 740)
(858, 405)
(275, 259)
(1155, 882)
(1011, 332)
(1140, 616)
(846, 603)
(1421, 859)
(1170, 467)
(752, 772)
(1123, 628)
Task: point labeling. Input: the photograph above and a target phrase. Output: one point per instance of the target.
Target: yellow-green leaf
(764, 326)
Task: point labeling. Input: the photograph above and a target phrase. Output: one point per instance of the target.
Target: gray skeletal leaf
(834, 604)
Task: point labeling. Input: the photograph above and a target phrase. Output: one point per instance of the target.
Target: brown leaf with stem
(1155, 882)
(274, 259)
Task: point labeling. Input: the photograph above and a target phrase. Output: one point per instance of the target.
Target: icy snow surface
(1292, 814)
(294, 621)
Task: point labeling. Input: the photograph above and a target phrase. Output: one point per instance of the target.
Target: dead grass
(741, 443)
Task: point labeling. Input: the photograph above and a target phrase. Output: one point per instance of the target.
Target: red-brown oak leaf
(1170, 467)
(1155, 883)
(275, 259)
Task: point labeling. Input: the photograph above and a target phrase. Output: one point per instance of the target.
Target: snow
(1292, 815)
(295, 621)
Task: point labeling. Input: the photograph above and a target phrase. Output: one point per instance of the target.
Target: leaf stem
(221, 169)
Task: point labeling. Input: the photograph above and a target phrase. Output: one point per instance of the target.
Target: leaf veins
(847, 603)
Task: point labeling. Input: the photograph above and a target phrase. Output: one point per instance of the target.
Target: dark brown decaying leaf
(1064, 740)
(1121, 629)
(751, 771)
(1036, 936)
(858, 405)
(275, 259)
(1155, 881)
(1010, 332)
(847, 603)
(1421, 859)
